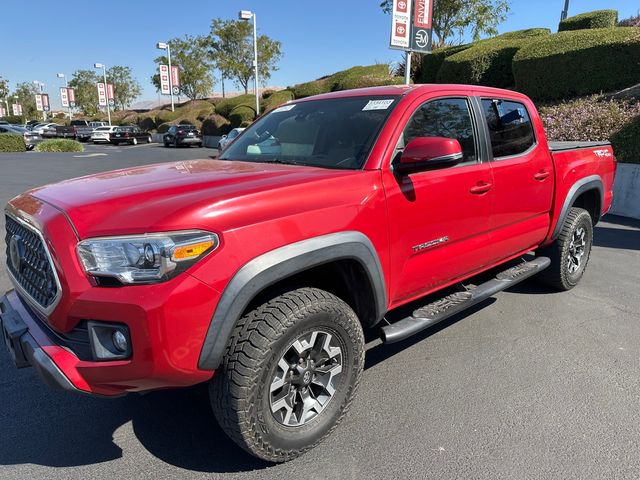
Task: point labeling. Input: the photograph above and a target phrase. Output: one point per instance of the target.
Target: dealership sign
(175, 80)
(164, 80)
(17, 109)
(45, 102)
(71, 95)
(411, 22)
(102, 95)
(39, 102)
(64, 97)
(110, 95)
(3, 112)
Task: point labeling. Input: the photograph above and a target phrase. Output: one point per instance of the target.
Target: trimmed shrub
(245, 124)
(164, 116)
(278, 98)
(519, 34)
(12, 143)
(241, 113)
(147, 122)
(570, 64)
(267, 93)
(432, 62)
(309, 89)
(225, 107)
(215, 125)
(590, 20)
(355, 77)
(485, 63)
(59, 145)
(164, 127)
(626, 142)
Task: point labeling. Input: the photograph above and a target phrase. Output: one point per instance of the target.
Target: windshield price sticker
(377, 105)
(284, 108)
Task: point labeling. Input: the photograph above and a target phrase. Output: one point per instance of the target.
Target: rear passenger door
(523, 176)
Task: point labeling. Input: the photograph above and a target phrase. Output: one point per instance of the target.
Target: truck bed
(562, 146)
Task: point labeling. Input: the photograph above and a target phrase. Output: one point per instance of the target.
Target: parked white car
(42, 127)
(102, 134)
(227, 139)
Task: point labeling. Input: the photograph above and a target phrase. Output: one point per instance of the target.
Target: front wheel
(289, 374)
(569, 253)
(134, 141)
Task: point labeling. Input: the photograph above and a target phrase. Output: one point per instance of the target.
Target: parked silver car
(31, 139)
(226, 140)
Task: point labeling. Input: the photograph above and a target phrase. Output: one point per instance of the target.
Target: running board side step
(445, 307)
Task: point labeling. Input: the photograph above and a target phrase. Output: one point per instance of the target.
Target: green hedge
(519, 34)
(626, 142)
(12, 143)
(485, 63)
(583, 62)
(240, 114)
(277, 98)
(355, 77)
(590, 20)
(432, 62)
(225, 106)
(215, 125)
(59, 145)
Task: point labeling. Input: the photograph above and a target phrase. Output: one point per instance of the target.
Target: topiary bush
(590, 20)
(225, 106)
(59, 145)
(626, 141)
(355, 77)
(432, 62)
(528, 33)
(309, 89)
(215, 125)
(10, 143)
(485, 63)
(571, 64)
(278, 98)
(241, 113)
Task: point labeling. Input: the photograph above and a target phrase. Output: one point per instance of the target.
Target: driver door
(439, 219)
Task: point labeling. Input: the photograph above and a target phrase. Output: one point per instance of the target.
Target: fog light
(119, 340)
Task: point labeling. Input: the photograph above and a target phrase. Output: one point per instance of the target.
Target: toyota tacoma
(258, 272)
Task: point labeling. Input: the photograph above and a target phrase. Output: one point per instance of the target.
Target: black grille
(35, 274)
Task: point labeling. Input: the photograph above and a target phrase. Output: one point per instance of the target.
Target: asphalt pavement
(531, 384)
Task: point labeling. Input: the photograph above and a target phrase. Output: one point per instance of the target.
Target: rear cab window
(510, 127)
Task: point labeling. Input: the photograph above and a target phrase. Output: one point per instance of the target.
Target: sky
(318, 37)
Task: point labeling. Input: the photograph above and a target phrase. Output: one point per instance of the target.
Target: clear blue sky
(43, 38)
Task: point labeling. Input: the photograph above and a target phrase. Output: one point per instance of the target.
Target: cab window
(510, 127)
(446, 117)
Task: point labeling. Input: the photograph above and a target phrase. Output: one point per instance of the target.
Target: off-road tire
(240, 389)
(557, 275)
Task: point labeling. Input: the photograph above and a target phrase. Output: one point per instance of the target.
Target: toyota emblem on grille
(16, 252)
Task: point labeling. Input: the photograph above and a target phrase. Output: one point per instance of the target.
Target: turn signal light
(185, 252)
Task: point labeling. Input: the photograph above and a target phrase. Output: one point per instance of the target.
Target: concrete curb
(626, 191)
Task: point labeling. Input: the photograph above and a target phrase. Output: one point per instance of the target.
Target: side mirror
(426, 153)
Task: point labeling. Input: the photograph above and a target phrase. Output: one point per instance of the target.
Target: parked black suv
(182, 135)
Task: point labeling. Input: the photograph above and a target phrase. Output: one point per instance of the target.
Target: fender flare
(592, 182)
(271, 267)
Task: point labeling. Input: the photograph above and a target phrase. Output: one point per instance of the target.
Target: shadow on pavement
(51, 428)
(624, 238)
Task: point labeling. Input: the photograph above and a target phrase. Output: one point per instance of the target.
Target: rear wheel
(149, 139)
(289, 374)
(569, 253)
(134, 141)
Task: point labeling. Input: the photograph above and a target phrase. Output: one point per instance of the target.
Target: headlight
(149, 258)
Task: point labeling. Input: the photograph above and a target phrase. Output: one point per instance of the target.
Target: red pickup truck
(258, 272)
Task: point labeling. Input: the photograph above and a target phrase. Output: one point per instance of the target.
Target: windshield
(332, 133)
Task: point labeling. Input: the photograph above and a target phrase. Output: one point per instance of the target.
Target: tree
(85, 83)
(4, 88)
(231, 48)
(26, 93)
(190, 54)
(125, 88)
(453, 18)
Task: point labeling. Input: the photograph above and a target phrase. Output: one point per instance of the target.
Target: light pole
(248, 15)
(565, 12)
(41, 85)
(66, 84)
(104, 76)
(167, 47)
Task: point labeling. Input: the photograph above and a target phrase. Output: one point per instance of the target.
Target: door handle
(480, 188)
(541, 175)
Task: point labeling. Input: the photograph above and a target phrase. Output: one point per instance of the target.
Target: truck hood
(173, 196)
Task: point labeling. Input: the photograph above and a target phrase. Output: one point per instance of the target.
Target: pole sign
(45, 102)
(411, 22)
(17, 109)
(64, 97)
(421, 26)
(39, 106)
(71, 95)
(175, 79)
(3, 112)
(110, 96)
(102, 95)
(400, 16)
(164, 80)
